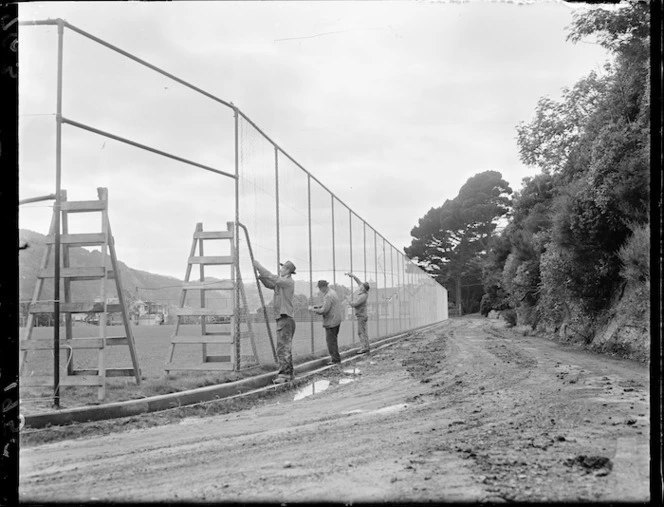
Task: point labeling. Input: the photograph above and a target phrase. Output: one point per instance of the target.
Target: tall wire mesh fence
(288, 213)
(292, 216)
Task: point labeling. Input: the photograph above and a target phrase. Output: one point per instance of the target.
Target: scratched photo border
(9, 439)
(9, 442)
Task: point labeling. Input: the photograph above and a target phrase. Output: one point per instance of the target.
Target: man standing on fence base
(284, 290)
(359, 302)
(331, 312)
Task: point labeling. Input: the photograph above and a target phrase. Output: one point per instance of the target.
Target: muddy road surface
(468, 411)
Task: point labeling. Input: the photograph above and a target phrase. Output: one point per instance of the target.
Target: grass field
(152, 347)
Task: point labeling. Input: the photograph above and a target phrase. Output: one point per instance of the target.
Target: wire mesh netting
(257, 210)
(294, 245)
(276, 210)
(291, 216)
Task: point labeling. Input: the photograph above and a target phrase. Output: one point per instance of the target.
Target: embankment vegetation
(574, 255)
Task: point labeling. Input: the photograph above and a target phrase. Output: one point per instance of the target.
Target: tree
(449, 240)
(511, 269)
(549, 139)
(571, 223)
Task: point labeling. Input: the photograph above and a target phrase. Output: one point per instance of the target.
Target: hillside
(137, 284)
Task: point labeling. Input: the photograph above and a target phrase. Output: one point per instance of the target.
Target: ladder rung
(213, 235)
(213, 312)
(65, 380)
(116, 340)
(223, 340)
(214, 260)
(218, 359)
(87, 239)
(79, 273)
(200, 367)
(82, 206)
(76, 343)
(109, 372)
(220, 285)
(85, 307)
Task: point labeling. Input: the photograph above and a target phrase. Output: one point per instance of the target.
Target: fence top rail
(38, 22)
(277, 147)
(82, 32)
(230, 105)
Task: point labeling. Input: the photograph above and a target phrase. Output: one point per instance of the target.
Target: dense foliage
(450, 242)
(579, 229)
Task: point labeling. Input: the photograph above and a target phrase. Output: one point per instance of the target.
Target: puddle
(313, 388)
(353, 371)
(343, 381)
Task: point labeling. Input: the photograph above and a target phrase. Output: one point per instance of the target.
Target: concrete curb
(219, 392)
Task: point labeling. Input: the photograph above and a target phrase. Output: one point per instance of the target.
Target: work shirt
(284, 291)
(359, 303)
(330, 309)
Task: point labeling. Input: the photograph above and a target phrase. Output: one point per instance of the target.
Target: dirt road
(467, 412)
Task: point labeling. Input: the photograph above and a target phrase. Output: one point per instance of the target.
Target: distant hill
(137, 284)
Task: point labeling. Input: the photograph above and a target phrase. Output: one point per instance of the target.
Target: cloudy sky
(390, 105)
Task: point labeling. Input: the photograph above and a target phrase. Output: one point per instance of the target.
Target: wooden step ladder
(104, 239)
(233, 319)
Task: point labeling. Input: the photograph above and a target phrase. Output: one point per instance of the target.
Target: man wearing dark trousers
(359, 303)
(331, 312)
(284, 290)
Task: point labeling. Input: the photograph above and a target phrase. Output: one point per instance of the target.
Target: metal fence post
(334, 258)
(311, 265)
(56, 211)
(350, 231)
(406, 285)
(385, 285)
(366, 278)
(235, 267)
(400, 289)
(364, 243)
(392, 297)
(376, 271)
(276, 192)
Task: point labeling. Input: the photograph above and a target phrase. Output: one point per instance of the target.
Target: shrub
(494, 299)
(635, 254)
(510, 317)
(554, 292)
(528, 315)
(485, 305)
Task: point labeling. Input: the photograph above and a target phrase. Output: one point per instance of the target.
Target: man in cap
(359, 303)
(284, 290)
(331, 312)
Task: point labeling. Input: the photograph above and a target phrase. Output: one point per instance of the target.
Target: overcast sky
(391, 105)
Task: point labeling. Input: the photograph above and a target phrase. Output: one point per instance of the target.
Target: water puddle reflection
(322, 385)
(313, 388)
(353, 371)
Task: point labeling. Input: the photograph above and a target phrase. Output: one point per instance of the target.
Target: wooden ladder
(104, 239)
(228, 339)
